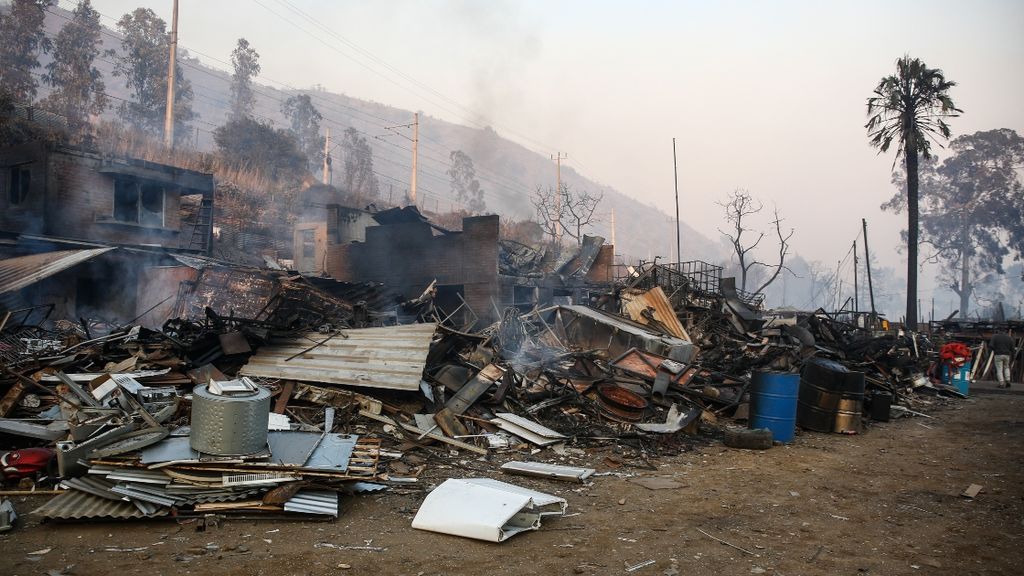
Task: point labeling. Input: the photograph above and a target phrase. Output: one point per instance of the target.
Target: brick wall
(407, 257)
(601, 271)
(70, 198)
(85, 198)
(25, 217)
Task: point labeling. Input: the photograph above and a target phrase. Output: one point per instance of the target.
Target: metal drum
(229, 425)
(831, 397)
(773, 397)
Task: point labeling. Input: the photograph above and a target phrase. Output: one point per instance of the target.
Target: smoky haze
(765, 96)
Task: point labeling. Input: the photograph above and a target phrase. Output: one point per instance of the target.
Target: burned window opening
(19, 185)
(309, 243)
(139, 203)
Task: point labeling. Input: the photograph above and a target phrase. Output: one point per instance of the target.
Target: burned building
(85, 235)
(64, 192)
(477, 275)
(406, 252)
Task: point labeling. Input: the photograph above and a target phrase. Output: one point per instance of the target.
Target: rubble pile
(270, 394)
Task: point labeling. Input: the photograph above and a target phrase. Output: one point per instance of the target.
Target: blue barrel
(773, 403)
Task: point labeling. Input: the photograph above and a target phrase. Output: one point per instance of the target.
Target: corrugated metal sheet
(75, 505)
(391, 357)
(17, 273)
(634, 302)
(323, 502)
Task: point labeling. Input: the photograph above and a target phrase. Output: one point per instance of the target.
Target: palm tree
(910, 107)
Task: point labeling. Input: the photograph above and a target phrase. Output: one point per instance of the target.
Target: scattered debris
(971, 491)
(485, 509)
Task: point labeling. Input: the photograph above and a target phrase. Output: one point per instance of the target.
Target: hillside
(508, 172)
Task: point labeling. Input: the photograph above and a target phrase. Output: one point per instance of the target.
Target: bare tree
(740, 207)
(578, 212)
(549, 213)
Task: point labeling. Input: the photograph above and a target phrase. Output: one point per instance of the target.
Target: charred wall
(69, 193)
(408, 256)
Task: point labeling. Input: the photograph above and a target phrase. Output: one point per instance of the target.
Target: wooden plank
(445, 418)
(11, 398)
(284, 397)
(425, 433)
(971, 491)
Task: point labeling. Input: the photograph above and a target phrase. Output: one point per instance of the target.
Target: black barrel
(831, 397)
(881, 404)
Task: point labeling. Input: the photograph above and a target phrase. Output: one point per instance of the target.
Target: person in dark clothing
(1002, 347)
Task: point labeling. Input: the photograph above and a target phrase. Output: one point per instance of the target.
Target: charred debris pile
(271, 394)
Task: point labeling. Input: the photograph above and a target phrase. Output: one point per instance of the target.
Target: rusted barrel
(831, 397)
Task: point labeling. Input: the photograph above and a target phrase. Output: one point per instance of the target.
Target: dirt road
(885, 502)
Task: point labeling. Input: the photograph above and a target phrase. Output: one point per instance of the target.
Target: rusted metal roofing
(391, 357)
(17, 273)
(636, 302)
(75, 505)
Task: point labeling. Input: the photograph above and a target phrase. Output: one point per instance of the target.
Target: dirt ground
(885, 502)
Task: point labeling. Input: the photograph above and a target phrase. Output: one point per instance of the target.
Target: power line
(494, 180)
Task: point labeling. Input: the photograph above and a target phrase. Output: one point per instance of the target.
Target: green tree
(77, 84)
(22, 38)
(145, 44)
(256, 145)
(246, 61)
(305, 120)
(972, 209)
(465, 186)
(910, 108)
(360, 180)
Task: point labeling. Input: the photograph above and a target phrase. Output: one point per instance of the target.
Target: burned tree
(78, 87)
(971, 210)
(143, 65)
(246, 62)
(465, 186)
(549, 213)
(740, 208)
(578, 212)
(256, 145)
(360, 179)
(305, 119)
(22, 38)
(565, 212)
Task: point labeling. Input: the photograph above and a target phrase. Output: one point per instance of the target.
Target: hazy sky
(768, 96)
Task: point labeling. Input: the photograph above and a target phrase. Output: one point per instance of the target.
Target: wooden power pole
(613, 227)
(856, 289)
(415, 153)
(675, 172)
(867, 265)
(327, 157)
(171, 65)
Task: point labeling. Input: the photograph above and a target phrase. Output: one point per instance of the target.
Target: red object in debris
(955, 354)
(25, 462)
(621, 403)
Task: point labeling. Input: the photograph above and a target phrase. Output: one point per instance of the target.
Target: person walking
(1002, 346)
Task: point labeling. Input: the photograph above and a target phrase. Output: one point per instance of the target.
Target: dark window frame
(19, 184)
(131, 204)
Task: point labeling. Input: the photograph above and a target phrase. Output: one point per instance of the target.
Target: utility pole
(558, 157)
(838, 287)
(675, 172)
(856, 290)
(867, 264)
(171, 64)
(327, 157)
(415, 153)
(613, 227)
